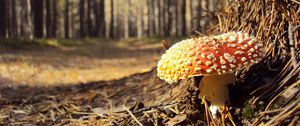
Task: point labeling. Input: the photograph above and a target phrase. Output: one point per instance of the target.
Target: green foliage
(250, 110)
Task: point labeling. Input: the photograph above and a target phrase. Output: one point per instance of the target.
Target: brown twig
(284, 113)
(292, 45)
(134, 118)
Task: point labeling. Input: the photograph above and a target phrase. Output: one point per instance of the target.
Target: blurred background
(54, 42)
(103, 18)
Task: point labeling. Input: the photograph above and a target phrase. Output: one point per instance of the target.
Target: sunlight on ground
(77, 64)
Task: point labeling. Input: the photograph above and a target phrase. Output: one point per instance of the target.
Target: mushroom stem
(214, 88)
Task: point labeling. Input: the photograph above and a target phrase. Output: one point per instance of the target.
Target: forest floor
(59, 84)
(74, 64)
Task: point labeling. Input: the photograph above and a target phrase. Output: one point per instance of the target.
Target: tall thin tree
(199, 14)
(82, 18)
(67, 19)
(183, 18)
(126, 20)
(111, 27)
(3, 26)
(38, 16)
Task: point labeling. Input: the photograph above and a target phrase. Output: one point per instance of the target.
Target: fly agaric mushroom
(216, 58)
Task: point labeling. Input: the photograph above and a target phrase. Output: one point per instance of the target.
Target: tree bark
(183, 18)
(178, 16)
(99, 18)
(102, 20)
(111, 27)
(90, 28)
(139, 20)
(82, 16)
(169, 20)
(49, 19)
(151, 19)
(126, 20)
(15, 18)
(67, 19)
(3, 19)
(54, 19)
(38, 15)
(26, 25)
(199, 13)
(166, 17)
(192, 14)
(161, 16)
(132, 20)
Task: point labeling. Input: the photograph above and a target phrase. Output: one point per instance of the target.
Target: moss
(249, 110)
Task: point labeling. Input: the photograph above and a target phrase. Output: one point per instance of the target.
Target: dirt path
(77, 64)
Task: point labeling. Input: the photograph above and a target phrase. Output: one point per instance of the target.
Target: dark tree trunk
(49, 19)
(199, 13)
(96, 10)
(102, 18)
(151, 19)
(26, 24)
(67, 19)
(165, 17)
(192, 14)
(169, 6)
(15, 28)
(161, 16)
(82, 16)
(54, 19)
(111, 29)
(10, 21)
(126, 19)
(90, 28)
(132, 20)
(99, 18)
(38, 16)
(183, 18)
(177, 17)
(3, 19)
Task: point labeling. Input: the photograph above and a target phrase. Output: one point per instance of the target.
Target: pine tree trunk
(132, 19)
(111, 27)
(151, 21)
(99, 18)
(27, 22)
(178, 15)
(126, 20)
(54, 18)
(3, 26)
(49, 18)
(169, 13)
(90, 28)
(16, 26)
(67, 19)
(102, 20)
(38, 16)
(139, 20)
(183, 18)
(166, 17)
(82, 16)
(161, 16)
(8, 18)
(192, 14)
(199, 14)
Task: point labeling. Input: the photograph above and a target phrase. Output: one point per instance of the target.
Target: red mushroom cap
(219, 54)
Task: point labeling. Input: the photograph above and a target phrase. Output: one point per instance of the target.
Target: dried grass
(275, 23)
